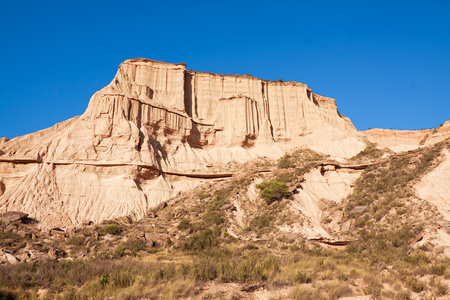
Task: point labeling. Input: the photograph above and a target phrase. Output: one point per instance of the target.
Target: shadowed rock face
(154, 119)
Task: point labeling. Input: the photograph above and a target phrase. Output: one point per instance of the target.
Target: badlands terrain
(183, 184)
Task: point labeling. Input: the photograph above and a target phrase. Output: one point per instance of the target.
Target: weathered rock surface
(12, 216)
(9, 258)
(156, 119)
(435, 187)
(157, 129)
(405, 140)
(318, 192)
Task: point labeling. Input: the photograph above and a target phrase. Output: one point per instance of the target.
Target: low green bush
(203, 240)
(184, 224)
(135, 245)
(286, 161)
(302, 277)
(261, 221)
(370, 152)
(112, 228)
(273, 190)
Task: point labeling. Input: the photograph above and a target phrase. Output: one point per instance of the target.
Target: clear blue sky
(387, 63)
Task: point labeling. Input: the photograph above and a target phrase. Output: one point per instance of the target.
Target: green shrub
(104, 280)
(184, 224)
(302, 277)
(120, 251)
(112, 228)
(202, 240)
(261, 221)
(441, 289)
(438, 268)
(212, 217)
(273, 190)
(286, 162)
(76, 240)
(370, 152)
(306, 293)
(135, 245)
(403, 295)
(415, 285)
(229, 266)
(10, 239)
(251, 247)
(287, 176)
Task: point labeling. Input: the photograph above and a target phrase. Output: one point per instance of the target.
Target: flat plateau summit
(158, 129)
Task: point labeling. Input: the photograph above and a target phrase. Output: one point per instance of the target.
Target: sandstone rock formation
(332, 186)
(435, 187)
(153, 129)
(404, 140)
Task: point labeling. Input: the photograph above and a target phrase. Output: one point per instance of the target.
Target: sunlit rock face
(404, 140)
(156, 119)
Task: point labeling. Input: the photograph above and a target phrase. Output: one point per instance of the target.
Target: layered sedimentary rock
(157, 119)
(319, 187)
(435, 188)
(403, 140)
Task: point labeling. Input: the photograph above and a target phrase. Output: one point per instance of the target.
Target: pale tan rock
(12, 216)
(2, 141)
(435, 187)
(9, 258)
(439, 134)
(153, 123)
(405, 140)
(318, 189)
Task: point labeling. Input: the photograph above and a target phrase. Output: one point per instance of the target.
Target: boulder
(12, 216)
(57, 232)
(10, 228)
(24, 234)
(53, 253)
(9, 258)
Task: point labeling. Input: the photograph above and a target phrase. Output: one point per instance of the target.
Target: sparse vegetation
(261, 222)
(273, 191)
(112, 228)
(180, 248)
(379, 187)
(369, 153)
(11, 240)
(299, 158)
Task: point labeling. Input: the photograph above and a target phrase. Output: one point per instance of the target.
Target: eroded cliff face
(404, 140)
(157, 119)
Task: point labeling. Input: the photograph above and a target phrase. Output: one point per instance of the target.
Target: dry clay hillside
(300, 227)
(183, 184)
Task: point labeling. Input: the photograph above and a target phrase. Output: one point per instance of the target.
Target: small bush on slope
(298, 158)
(379, 186)
(112, 228)
(370, 152)
(273, 190)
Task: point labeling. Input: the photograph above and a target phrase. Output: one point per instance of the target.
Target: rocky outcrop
(434, 187)
(157, 119)
(405, 140)
(320, 191)
(13, 216)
